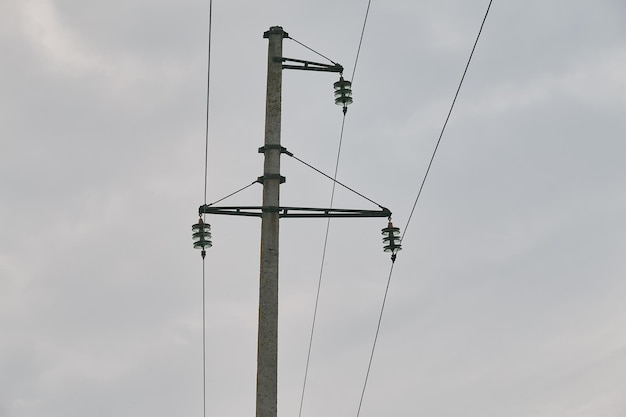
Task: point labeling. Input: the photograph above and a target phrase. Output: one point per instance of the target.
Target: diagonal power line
(206, 168)
(332, 198)
(419, 193)
(443, 128)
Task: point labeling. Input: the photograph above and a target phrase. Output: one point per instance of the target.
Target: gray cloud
(507, 297)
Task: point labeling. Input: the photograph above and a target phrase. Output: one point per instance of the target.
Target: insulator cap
(391, 239)
(343, 92)
(201, 233)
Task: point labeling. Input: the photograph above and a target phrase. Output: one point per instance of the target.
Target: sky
(507, 299)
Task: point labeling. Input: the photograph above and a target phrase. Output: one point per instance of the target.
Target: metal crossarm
(309, 65)
(293, 212)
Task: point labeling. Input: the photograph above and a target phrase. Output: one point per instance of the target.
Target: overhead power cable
(206, 169)
(358, 50)
(382, 309)
(445, 123)
(332, 199)
(380, 319)
(322, 263)
(208, 94)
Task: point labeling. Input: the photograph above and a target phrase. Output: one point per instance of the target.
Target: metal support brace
(309, 65)
(262, 178)
(284, 150)
(293, 212)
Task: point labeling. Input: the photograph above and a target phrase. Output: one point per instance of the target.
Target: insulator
(391, 239)
(201, 235)
(343, 92)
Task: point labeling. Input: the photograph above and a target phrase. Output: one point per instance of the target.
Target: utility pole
(267, 354)
(271, 212)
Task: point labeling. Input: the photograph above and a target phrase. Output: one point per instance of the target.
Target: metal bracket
(271, 177)
(293, 212)
(275, 30)
(309, 65)
(284, 150)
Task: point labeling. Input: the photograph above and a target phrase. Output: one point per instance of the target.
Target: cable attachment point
(201, 236)
(262, 179)
(391, 240)
(343, 93)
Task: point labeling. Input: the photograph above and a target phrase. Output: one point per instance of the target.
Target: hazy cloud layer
(507, 299)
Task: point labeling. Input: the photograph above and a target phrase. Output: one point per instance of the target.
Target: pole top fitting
(275, 30)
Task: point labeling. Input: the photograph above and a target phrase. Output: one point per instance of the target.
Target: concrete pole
(267, 354)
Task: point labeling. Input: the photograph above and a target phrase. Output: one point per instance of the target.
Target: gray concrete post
(267, 354)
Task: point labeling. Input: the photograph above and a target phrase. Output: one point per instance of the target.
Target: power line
(203, 341)
(358, 50)
(319, 281)
(208, 94)
(332, 197)
(380, 319)
(382, 309)
(432, 158)
(206, 168)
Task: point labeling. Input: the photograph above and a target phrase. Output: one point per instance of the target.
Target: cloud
(508, 294)
(61, 47)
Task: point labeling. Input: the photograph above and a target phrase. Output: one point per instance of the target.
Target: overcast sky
(507, 300)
